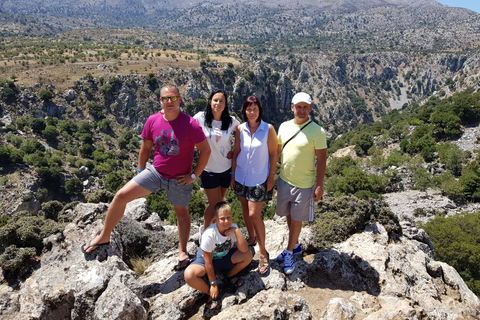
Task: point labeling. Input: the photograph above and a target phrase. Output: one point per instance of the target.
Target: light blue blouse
(253, 161)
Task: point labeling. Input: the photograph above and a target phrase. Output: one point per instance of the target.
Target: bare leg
(246, 217)
(295, 227)
(240, 261)
(127, 193)
(255, 215)
(183, 224)
(193, 276)
(214, 196)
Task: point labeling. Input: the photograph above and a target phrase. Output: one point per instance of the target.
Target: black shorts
(212, 180)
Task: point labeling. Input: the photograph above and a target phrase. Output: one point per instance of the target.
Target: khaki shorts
(296, 202)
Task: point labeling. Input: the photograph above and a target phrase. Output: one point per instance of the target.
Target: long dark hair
(248, 102)
(226, 120)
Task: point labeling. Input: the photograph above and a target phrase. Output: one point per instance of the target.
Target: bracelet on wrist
(272, 172)
(213, 282)
(139, 170)
(232, 172)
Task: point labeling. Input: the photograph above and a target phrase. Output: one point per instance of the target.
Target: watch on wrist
(193, 176)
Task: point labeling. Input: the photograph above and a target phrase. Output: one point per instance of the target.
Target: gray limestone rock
(386, 280)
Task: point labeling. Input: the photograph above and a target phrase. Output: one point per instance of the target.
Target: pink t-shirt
(174, 143)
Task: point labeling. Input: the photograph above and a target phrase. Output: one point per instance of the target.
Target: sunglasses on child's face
(173, 98)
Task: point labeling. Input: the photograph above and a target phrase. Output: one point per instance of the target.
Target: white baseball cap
(302, 97)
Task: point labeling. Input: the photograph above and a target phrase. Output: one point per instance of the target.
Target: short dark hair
(170, 85)
(248, 102)
(222, 205)
(226, 120)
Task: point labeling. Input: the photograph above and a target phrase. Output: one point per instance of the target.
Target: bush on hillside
(26, 230)
(17, 262)
(341, 217)
(456, 240)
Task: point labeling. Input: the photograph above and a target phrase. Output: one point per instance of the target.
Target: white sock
(291, 252)
(296, 246)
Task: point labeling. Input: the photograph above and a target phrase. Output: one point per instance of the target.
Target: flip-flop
(182, 264)
(90, 244)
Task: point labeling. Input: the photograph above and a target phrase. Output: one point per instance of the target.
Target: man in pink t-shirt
(174, 135)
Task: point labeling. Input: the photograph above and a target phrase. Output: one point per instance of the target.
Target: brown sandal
(263, 263)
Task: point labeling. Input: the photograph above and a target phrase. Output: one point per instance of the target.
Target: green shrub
(456, 240)
(341, 217)
(24, 230)
(50, 133)
(30, 146)
(45, 95)
(452, 156)
(113, 182)
(353, 180)
(157, 202)
(99, 196)
(51, 209)
(73, 186)
(17, 262)
(337, 165)
(49, 177)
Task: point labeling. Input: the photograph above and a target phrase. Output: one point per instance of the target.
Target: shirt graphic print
(167, 143)
(221, 249)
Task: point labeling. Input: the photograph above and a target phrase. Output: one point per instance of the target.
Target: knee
(254, 215)
(121, 196)
(189, 275)
(249, 256)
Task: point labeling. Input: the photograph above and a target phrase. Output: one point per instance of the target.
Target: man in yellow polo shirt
(302, 146)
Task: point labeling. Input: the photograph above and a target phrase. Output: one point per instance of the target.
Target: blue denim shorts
(151, 180)
(222, 264)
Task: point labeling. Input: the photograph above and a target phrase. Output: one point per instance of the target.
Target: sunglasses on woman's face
(173, 98)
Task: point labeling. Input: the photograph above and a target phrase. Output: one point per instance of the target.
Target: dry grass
(30, 71)
(139, 264)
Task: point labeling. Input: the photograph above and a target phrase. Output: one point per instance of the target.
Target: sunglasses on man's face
(173, 98)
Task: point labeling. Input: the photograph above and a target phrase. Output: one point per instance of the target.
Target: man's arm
(144, 153)
(321, 155)
(205, 151)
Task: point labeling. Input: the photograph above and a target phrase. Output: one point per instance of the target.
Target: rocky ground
(369, 276)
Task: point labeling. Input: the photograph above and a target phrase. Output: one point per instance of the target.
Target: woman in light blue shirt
(253, 172)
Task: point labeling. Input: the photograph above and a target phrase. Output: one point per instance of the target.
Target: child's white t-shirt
(213, 241)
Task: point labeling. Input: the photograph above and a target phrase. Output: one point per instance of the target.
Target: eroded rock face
(387, 280)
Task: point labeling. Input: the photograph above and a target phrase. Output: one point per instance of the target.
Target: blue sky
(469, 4)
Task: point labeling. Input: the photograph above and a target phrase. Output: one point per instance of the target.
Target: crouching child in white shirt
(222, 248)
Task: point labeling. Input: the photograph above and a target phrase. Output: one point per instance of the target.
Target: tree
(50, 133)
(45, 95)
(73, 187)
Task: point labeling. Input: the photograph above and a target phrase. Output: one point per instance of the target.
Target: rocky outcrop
(378, 278)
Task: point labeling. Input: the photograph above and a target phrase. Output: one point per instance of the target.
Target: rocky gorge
(368, 276)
